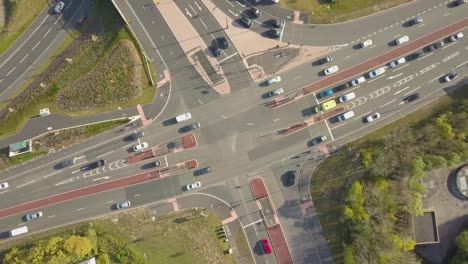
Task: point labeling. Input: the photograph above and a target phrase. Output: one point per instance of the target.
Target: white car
(183, 117)
(122, 205)
(358, 81)
(140, 147)
(4, 185)
(395, 63)
(347, 97)
(402, 40)
(331, 70)
(31, 217)
(373, 117)
(59, 6)
(192, 186)
(376, 72)
(456, 37)
(275, 79)
(275, 92)
(366, 43)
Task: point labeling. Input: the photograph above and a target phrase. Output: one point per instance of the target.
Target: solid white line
(197, 5)
(253, 223)
(232, 12)
(50, 175)
(165, 158)
(195, 12)
(229, 3)
(4, 191)
(282, 30)
(24, 58)
(136, 195)
(126, 146)
(435, 78)
(104, 154)
(108, 202)
(58, 19)
(240, 4)
(227, 57)
(399, 91)
(401, 67)
(460, 65)
(36, 45)
(79, 209)
(329, 130)
(203, 23)
(388, 103)
(448, 45)
(376, 79)
(11, 71)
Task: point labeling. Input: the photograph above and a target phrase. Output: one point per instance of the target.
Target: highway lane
(19, 63)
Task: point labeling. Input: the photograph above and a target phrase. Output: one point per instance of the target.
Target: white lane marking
(401, 90)
(359, 117)
(102, 178)
(297, 77)
(253, 223)
(410, 92)
(79, 209)
(401, 67)
(126, 146)
(451, 56)
(200, 101)
(24, 58)
(227, 57)
(422, 25)
(344, 123)
(447, 14)
(165, 158)
(372, 46)
(460, 65)
(195, 12)
(394, 76)
(436, 78)
(199, 8)
(222, 116)
(36, 45)
(188, 13)
(1, 80)
(347, 57)
(65, 181)
(212, 36)
(4, 191)
(282, 30)
(104, 154)
(234, 14)
(50, 216)
(58, 19)
(46, 33)
(136, 195)
(152, 21)
(229, 2)
(11, 71)
(329, 130)
(388, 103)
(277, 119)
(203, 23)
(47, 176)
(240, 4)
(250, 124)
(376, 79)
(448, 45)
(108, 202)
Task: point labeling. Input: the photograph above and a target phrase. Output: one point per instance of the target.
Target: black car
(223, 43)
(275, 33)
(415, 21)
(277, 23)
(415, 55)
(138, 135)
(216, 51)
(247, 22)
(205, 170)
(93, 165)
(255, 12)
(325, 60)
(411, 98)
(67, 163)
(316, 141)
(435, 46)
(155, 164)
(291, 178)
(191, 127)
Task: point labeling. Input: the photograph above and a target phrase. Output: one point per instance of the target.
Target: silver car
(31, 217)
(123, 205)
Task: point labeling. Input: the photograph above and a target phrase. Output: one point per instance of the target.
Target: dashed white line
(46, 33)
(297, 77)
(104, 154)
(203, 23)
(108, 202)
(229, 2)
(347, 57)
(222, 116)
(277, 119)
(199, 8)
(401, 67)
(388, 103)
(22, 185)
(446, 46)
(36, 45)
(344, 123)
(24, 58)
(50, 175)
(4, 191)
(50, 216)
(435, 78)
(152, 21)
(401, 90)
(460, 65)
(79, 209)
(200, 101)
(359, 117)
(240, 4)
(376, 79)
(250, 124)
(410, 92)
(447, 14)
(136, 195)
(11, 71)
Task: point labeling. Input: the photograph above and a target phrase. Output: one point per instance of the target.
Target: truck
(183, 117)
(18, 231)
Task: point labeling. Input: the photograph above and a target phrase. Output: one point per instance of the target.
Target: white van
(346, 115)
(183, 117)
(18, 231)
(347, 97)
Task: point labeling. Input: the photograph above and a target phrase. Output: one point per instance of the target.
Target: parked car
(366, 43)
(331, 70)
(415, 21)
(325, 106)
(275, 92)
(193, 186)
(459, 2)
(4, 185)
(456, 37)
(138, 135)
(316, 141)
(140, 147)
(325, 93)
(183, 117)
(276, 33)
(325, 60)
(402, 40)
(67, 163)
(154, 164)
(33, 216)
(346, 115)
(373, 117)
(216, 51)
(450, 77)
(123, 205)
(223, 43)
(277, 23)
(376, 72)
(347, 97)
(435, 46)
(291, 177)
(266, 246)
(395, 63)
(255, 12)
(202, 171)
(415, 55)
(358, 81)
(191, 127)
(59, 6)
(247, 22)
(93, 165)
(273, 80)
(411, 98)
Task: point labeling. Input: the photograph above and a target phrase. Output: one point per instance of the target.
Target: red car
(266, 246)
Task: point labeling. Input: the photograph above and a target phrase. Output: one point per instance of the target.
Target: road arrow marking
(394, 76)
(102, 178)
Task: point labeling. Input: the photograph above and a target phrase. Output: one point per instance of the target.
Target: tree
(77, 246)
(462, 241)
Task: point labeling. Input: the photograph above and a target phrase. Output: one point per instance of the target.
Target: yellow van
(325, 106)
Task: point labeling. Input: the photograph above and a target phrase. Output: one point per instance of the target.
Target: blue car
(326, 93)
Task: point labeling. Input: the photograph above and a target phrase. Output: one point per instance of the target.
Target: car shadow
(392, 43)
(308, 111)
(284, 179)
(317, 62)
(357, 46)
(266, 95)
(130, 150)
(183, 129)
(258, 249)
(147, 166)
(128, 138)
(169, 122)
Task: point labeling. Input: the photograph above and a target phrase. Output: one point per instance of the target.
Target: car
(456, 37)
(325, 93)
(67, 163)
(291, 177)
(266, 246)
(140, 147)
(93, 165)
(138, 135)
(316, 141)
(247, 22)
(376, 72)
(154, 164)
(273, 80)
(402, 40)
(191, 127)
(411, 98)
(395, 63)
(331, 70)
(223, 43)
(59, 6)
(450, 77)
(216, 51)
(342, 87)
(347, 97)
(4, 185)
(277, 23)
(192, 186)
(435, 46)
(183, 117)
(366, 43)
(325, 106)
(373, 117)
(459, 2)
(275, 92)
(123, 205)
(415, 55)
(276, 33)
(325, 60)
(202, 171)
(415, 21)
(346, 115)
(358, 81)
(255, 12)
(81, 20)
(33, 216)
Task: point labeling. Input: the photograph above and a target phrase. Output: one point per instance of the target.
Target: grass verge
(327, 187)
(341, 10)
(243, 247)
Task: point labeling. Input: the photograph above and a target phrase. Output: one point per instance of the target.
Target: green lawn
(341, 10)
